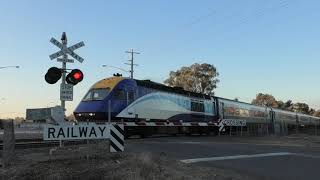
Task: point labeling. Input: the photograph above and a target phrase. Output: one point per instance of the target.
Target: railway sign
(113, 132)
(74, 55)
(65, 60)
(66, 92)
(72, 132)
(57, 54)
(76, 46)
(65, 50)
(231, 122)
(56, 42)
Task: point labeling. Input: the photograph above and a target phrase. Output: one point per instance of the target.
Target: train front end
(107, 95)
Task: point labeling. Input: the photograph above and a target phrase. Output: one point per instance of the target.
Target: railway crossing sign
(65, 50)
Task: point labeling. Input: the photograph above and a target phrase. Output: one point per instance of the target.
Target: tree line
(203, 78)
(270, 101)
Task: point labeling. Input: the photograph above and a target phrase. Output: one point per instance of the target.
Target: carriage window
(120, 94)
(196, 106)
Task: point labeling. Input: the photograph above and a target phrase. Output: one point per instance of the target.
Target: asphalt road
(263, 160)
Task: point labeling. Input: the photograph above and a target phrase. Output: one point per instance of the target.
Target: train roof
(162, 87)
(110, 82)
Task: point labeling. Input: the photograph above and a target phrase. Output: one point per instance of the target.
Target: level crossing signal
(74, 77)
(54, 74)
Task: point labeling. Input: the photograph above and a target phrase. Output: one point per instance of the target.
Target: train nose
(90, 110)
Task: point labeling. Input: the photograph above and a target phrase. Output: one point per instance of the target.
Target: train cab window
(88, 96)
(96, 94)
(119, 94)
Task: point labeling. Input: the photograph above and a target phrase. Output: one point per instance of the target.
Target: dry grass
(121, 166)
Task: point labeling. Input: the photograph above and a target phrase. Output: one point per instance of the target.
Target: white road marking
(221, 158)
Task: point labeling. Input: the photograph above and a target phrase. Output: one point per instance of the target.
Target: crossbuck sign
(68, 50)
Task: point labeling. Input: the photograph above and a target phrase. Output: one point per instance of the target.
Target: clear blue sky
(257, 46)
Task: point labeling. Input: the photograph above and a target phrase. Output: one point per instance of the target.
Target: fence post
(8, 143)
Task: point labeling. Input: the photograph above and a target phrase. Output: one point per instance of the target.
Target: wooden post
(8, 143)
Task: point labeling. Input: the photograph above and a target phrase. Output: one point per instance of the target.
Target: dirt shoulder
(77, 163)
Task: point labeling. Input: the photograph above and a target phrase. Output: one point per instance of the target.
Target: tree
(281, 105)
(265, 100)
(285, 105)
(311, 111)
(301, 108)
(200, 78)
(288, 105)
(18, 120)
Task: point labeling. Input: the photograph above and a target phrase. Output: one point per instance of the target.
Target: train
(122, 99)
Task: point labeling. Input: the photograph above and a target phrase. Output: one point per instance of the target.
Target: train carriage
(238, 110)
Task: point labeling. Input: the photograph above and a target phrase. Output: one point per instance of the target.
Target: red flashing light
(74, 77)
(77, 75)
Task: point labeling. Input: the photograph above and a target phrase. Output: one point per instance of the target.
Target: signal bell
(53, 75)
(74, 77)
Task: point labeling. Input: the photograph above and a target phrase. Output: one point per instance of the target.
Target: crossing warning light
(74, 77)
(53, 75)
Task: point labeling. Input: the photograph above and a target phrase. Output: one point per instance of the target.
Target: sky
(256, 45)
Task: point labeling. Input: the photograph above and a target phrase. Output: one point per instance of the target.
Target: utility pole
(131, 62)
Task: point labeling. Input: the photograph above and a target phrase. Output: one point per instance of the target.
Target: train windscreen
(96, 94)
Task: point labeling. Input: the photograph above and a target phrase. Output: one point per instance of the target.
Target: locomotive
(131, 100)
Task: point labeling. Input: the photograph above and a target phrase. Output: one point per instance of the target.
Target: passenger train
(132, 100)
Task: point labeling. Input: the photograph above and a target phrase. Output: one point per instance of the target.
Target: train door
(130, 98)
(215, 109)
(221, 110)
(272, 121)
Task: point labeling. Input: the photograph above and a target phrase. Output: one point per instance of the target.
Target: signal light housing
(74, 77)
(53, 75)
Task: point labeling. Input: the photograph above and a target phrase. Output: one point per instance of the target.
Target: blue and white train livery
(130, 100)
(134, 100)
